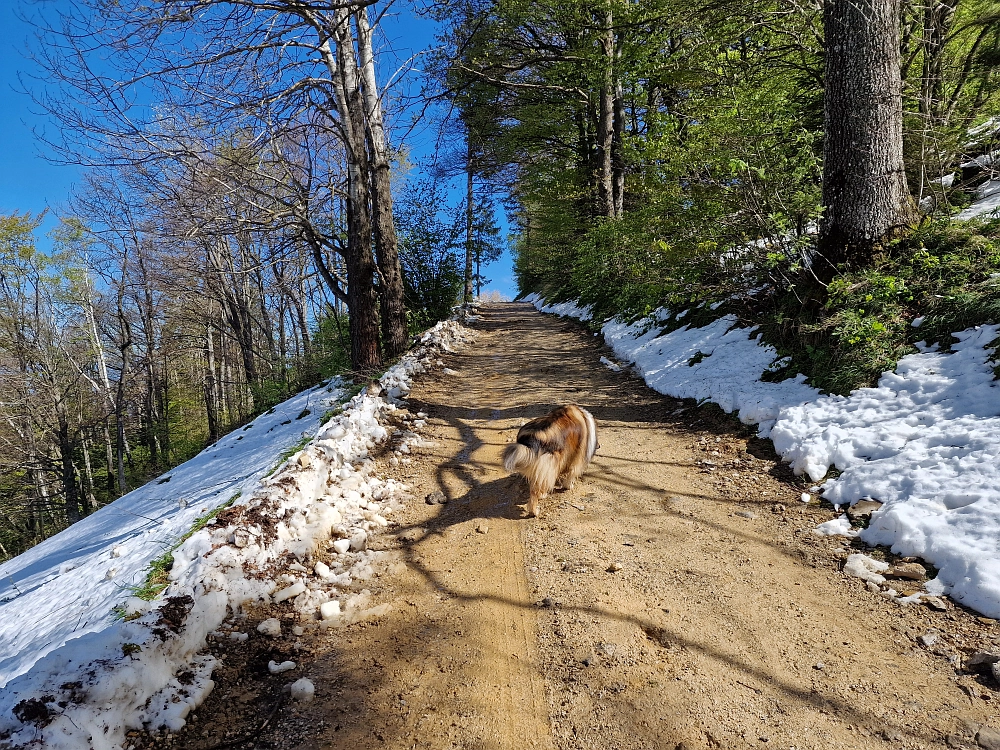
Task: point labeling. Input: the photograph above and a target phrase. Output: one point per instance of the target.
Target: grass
(158, 574)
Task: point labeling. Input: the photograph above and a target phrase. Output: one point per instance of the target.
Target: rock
(548, 602)
(289, 592)
(819, 665)
(321, 569)
(305, 460)
(483, 528)
(981, 658)
(302, 690)
(995, 670)
(359, 541)
(778, 509)
(298, 630)
(614, 567)
(957, 740)
(892, 735)
(863, 509)
(805, 497)
(437, 497)
(608, 649)
(910, 571)
(988, 737)
(271, 627)
(935, 602)
(928, 639)
(746, 514)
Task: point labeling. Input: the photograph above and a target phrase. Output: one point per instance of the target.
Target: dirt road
(659, 604)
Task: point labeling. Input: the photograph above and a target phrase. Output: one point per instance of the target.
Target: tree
(253, 66)
(865, 193)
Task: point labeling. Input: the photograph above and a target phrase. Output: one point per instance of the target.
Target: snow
(925, 442)
(561, 308)
(102, 662)
(986, 204)
(727, 372)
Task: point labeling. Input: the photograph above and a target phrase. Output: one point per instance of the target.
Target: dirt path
(659, 604)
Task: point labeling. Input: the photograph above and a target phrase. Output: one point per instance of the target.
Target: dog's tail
(517, 457)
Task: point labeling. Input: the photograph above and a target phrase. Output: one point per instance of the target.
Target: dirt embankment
(662, 603)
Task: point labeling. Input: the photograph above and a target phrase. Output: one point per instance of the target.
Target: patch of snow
(613, 366)
(560, 308)
(729, 372)
(837, 527)
(986, 204)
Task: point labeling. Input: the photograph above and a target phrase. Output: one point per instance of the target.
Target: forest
(254, 216)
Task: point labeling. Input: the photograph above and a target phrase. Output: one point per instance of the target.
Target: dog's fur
(556, 447)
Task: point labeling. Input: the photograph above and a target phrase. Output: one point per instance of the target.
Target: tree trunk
(361, 300)
(469, 207)
(394, 330)
(865, 195)
(606, 122)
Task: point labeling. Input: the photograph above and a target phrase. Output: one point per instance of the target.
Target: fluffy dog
(556, 447)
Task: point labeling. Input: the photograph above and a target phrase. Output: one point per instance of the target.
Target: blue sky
(28, 182)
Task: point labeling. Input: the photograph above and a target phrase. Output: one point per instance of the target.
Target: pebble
(928, 639)
(298, 630)
(805, 497)
(819, 665)
(321, 569)
(289, 592)
(437, 497)
(274, 668)
(935, 602)
(342, 545)
(778, 508)
(910, 571)
(483, 528)
(614, 567)
(329, 609)
(982, 657)
(863, 509)
(359, 541)
(746, 514)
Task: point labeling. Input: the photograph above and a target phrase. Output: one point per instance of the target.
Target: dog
(556, 447)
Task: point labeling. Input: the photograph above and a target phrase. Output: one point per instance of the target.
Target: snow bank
(560, 308)
(925, 442)
(720, 363)
(70, 682)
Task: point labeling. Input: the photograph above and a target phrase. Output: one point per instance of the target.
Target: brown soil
(661, 603)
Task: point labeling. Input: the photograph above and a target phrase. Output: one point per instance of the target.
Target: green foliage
(847, 335)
